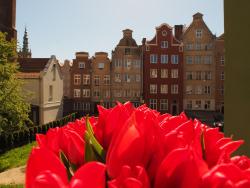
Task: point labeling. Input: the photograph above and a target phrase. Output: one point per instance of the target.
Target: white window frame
(86, 93)
(77, 79)
(153, 104)
(163, 104)
(164, 44)
(174, 73)
(97, 80)
(153, 58)
(101, 65)
(174, 89)
(164, 59)
(164, 73)
(189, 60)
(153, 73)
(81, 65)
(189, 90)
(198, 33)
(175, 59)
(86, 79)
(164, 88)
(106, 79)
(77, 93)
(118, 77)
(153, 88)
(189, 104)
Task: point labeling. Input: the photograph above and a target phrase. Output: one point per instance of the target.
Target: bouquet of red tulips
(127, 147)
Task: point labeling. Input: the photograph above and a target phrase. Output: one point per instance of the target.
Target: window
(222, 75)
(198, 46)
(164, 44)
(198, 75)
(77, 79)
(174, 59)
(101, 65)
(153, 58)
(107, 93)
(207, 75)
(86, 79)
(174, 89)
(96, 93)
(96, 80)
(164, 73)
(127, 77)
(107, 105)
(137, 63)
(54, 72)
(118, 63)
(147, 48)
(198, 33)
(197, 59)
(86, 106)
(174, 73)
(189, 105)
(86, 93)
(117, 93)
(163, 104)
(118, 78)
(50, 93)
(222, 90)
(198, 104)
(198, 90)
(189, 59)
(164, 33)
(128, 51)
(188, 89)
(77, 93)
(207, 105)
(164, 59)
(153, 104)
(164, 88)
(222, 60)
(127, 63)
(77, 106)
(189, 46)
(189, 75)
(153, 73)
(153, 88)
(106, 79)
(208, 59)
(127, 93)
(207, 90)
(137, 77)
(81, 65)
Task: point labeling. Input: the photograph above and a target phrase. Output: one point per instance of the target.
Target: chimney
(197, 16)
(178, 31)
(127, 33)
(143, 41)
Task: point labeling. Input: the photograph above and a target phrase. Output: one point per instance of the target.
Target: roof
(221, 37)
(127, 41)
(32, 64)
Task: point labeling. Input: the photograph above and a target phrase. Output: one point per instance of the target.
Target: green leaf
(203, 145)
(89, 137)
(89, 154)
(67, 164)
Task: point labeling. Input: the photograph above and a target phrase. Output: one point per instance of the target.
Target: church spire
(25, 52)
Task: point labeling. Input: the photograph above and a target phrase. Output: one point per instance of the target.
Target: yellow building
(199, 66)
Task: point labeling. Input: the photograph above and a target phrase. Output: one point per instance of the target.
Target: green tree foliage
(13, 108)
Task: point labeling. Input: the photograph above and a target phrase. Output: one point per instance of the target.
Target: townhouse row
(180, 68)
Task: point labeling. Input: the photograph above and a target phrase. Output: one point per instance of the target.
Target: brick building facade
(8, 18)
(162, 70)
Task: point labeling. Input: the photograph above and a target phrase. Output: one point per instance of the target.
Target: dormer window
(164, 44)
(101, 65)
(198, 33)
(81, 65)
(164, 33)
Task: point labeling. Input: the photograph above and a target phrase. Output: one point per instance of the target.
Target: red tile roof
(32, 64)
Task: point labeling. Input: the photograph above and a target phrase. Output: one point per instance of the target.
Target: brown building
(199, 66)
(162, 70)
(100, 84)
(8, 18)
(80, 84)
(220, 74)
(126, 70)
(65, 69)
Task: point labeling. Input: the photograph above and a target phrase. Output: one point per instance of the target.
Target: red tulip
(181, 168)
(45, 170)
(225, 176)
(134, 144)
(130, 178)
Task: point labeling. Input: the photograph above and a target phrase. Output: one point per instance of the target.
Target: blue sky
(63, 27)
